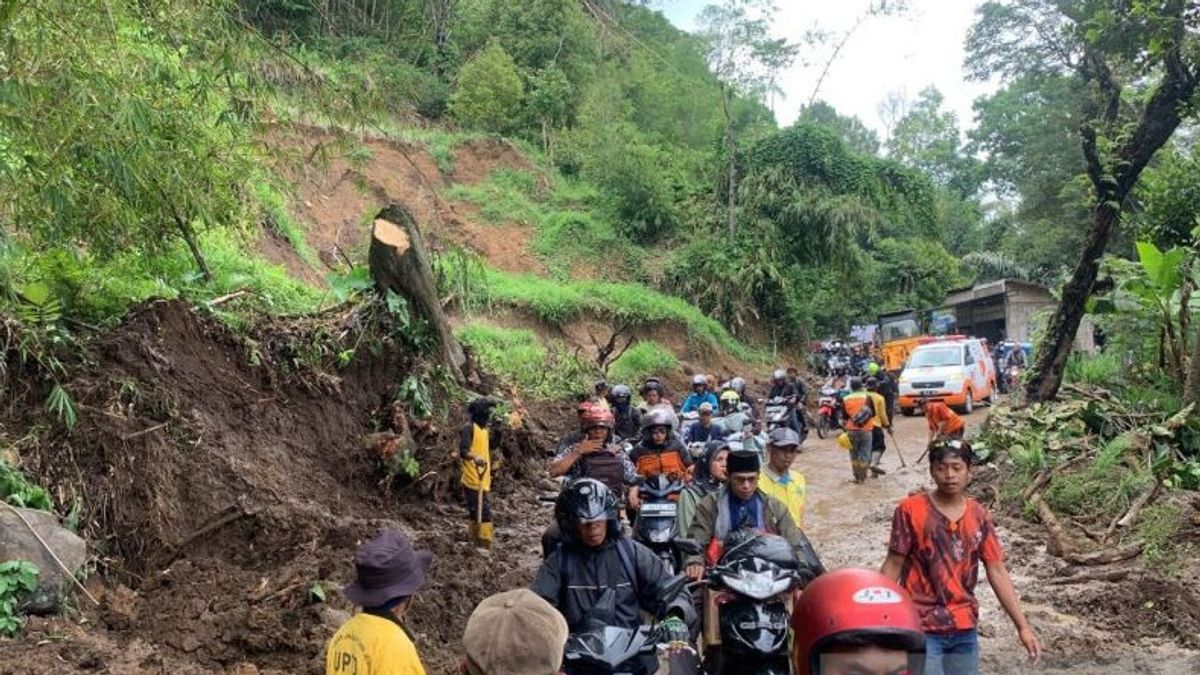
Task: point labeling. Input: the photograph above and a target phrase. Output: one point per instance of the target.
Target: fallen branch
(53, 555)
(143, 432)
(231, 513)
(1106, 556)
(1094, 575)
(1059, 544)
(226, 298)
(1124, 521)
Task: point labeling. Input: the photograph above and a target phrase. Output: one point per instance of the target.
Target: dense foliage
(153, 166)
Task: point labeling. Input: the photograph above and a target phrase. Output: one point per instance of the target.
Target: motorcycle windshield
(607, 647)
(761, 584)
(745, 545)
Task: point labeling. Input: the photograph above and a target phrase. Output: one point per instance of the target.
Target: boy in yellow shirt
(375, 642)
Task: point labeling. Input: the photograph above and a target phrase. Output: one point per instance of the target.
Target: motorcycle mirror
(672, 588)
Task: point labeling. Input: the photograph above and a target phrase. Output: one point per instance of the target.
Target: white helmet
(700, 379)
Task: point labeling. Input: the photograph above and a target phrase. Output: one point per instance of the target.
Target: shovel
(480, 469)
(903, 464)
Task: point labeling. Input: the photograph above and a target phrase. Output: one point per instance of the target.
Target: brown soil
(272, 456)
(336, 198)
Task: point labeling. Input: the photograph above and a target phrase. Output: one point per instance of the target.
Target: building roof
(991, 289)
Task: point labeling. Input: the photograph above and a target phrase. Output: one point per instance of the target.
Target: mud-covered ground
(1141, 625)
(221, 484)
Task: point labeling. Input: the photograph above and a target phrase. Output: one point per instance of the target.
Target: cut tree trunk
(400, 264)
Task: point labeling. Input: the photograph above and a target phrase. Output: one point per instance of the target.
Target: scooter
(604, 649)
(776, 413)
(656, 526)
(829, 411)
(753, 581)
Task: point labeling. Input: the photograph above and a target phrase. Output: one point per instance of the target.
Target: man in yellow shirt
(878, 440)
(475, 445)
(778, 480)
(375, 642)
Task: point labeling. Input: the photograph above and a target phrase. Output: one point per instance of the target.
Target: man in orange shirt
(943, 422)
(860, 426)
(938, 540)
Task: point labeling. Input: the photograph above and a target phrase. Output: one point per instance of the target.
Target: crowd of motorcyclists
(710, 568)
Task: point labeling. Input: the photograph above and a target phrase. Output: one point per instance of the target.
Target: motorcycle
(752, 584)
(604, 649)
(829, 411)
(656, 525)
(777, 413)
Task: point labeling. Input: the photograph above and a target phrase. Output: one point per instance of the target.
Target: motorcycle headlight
(757, 585)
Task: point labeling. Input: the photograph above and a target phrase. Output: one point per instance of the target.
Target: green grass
(518, 357)
(1159, 530)
(642, 360)
(1096, 492)
(558, 303)
(563, 213)
(1099, 370)
(280, 219)
(100, 291)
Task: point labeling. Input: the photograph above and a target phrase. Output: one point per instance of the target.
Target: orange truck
(899, 335)
(901, 332)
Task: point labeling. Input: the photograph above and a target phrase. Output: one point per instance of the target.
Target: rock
(18, 543)
(334, 618)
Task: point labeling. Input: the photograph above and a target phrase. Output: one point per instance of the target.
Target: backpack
(567, 560)
(864, 413)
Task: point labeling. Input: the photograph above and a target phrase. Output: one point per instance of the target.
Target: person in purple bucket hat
(375, 642)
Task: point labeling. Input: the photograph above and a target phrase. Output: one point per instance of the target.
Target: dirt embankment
(217, 492)
(336, 195)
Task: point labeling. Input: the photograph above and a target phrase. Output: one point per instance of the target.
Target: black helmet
(652, 384)
(621, 391)
(585, 500)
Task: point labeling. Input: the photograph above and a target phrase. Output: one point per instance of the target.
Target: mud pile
(221, 480)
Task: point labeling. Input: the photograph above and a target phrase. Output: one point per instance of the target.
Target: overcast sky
(906, 54)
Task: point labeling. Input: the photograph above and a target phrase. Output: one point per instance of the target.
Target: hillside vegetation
(652, 183)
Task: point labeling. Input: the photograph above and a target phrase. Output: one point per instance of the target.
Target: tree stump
(400, 264)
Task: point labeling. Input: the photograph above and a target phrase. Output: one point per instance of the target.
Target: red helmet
(597, 416)
(856, 607)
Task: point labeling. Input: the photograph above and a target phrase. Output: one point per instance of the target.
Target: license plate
(659, 510)
(929, 392)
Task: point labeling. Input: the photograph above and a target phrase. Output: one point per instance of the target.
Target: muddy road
(849, 525)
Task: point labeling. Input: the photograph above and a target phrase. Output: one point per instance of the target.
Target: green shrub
(489, 91)
(1160, 531)
(99, 291)
(1099, 370)
(18, 490)
(518, 357)
(17, 578)
(1096, 492)
(642, 360)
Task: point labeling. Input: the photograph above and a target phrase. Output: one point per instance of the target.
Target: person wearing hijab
(708, 477)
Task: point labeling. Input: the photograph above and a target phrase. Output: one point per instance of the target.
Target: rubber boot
(486, 532)
(876, 457)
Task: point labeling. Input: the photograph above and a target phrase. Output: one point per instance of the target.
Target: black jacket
(629, 423)
(591, 572)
